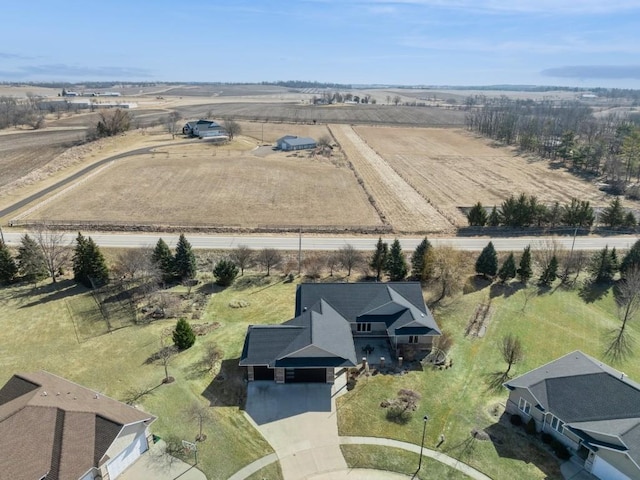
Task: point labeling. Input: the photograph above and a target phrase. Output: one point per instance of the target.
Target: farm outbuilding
(292, 142)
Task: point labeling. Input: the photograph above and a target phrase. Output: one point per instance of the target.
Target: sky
(583, 43)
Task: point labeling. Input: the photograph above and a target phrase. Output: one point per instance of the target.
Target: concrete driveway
(299, 421)
(155, 464)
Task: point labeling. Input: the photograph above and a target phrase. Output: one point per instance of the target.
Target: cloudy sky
(428, 42)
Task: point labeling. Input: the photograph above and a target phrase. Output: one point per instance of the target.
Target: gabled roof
(318, 337)
(588, 396)
(51, 425)
(400, 305)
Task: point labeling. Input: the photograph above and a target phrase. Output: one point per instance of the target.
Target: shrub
(546, 438)
(183, 336)
(225, 272)
(530, 427)
(516, 420)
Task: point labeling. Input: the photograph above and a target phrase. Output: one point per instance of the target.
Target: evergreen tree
(89, 266)
(396, 266)
(494, 217)
(550, 273)
(163, 259)
(418, 259)
(225, 272)
(184, 262)
(524, 270)
(8, 266)
(183, 335)
(378, 260)
(477, 216)
(508, 269)
(613, 216)
(631, 260)
(31, 262)
(487, 263)
(603, 265)
(630, 220)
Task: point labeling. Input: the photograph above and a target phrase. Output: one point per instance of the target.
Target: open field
(198, 183)
(453, 168)
(270, 132)
(398, 203)
(297, 113)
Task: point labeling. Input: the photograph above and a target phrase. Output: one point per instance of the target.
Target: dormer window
(363, 327)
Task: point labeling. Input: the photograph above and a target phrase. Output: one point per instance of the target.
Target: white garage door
(116, 466)
(605, 471)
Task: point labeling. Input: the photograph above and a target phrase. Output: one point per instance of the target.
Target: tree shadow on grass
(591, 292)
(505, 289)
(495, 381)
(512, 442)
(476, 283)
(228, 388)
(53, 292)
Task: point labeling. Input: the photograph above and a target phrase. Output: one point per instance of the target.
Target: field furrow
(400, 204)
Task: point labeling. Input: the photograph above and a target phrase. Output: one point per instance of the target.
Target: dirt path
(398, 202)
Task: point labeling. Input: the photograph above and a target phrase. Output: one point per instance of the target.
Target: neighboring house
(588, 406)
(291, 142)
(204, 129)
(328, 316)
(54, 429)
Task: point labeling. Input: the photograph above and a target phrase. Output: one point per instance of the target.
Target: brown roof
(51, 425)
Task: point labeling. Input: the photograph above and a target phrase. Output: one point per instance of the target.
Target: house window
(363, 327)
(413, 338)
(556, 423)
(524, 406)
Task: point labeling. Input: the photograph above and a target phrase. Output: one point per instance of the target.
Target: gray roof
(400, 305)
(318, 337)
(588, 396)
(297, 141)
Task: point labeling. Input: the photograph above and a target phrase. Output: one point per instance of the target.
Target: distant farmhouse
(205, 129)
(54, 429)
(589, 407)
(291, 142)
(334, 324)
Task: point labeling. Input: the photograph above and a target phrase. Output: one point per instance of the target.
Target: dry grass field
(453, 168)
(270, 132)
(198, 183)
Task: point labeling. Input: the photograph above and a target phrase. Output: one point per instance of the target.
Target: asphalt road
(292, 242)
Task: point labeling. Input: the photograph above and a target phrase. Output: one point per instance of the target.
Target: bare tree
(242, 256)
(212, 355)
(313, 265)
(620, 342)
(349, 258)
(134, 263)
(528, 294)
(166, 353)
(396, 100)
(201, 414)
(269, 258)
(232, 127)
(113, 122)
(449, 268)
(171, 123)
(332, 262)
(55, 248)
(511, 350)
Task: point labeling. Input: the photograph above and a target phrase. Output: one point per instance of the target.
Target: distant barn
(291, 142)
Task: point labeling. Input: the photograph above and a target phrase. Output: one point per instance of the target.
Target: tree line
(565, 131)
(527, 211)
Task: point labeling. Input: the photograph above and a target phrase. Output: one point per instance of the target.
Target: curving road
(315, 242)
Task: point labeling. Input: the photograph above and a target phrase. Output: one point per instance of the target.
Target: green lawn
(458, 399)
(397, 460)
(59, 329)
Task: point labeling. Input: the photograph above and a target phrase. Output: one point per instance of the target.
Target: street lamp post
(424, 430)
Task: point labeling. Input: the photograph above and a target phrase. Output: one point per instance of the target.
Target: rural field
(198, 183)
(453, 168)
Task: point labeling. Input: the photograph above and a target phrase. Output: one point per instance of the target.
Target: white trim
(524, 406)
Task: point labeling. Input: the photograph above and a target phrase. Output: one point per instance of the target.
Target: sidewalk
(157, 465)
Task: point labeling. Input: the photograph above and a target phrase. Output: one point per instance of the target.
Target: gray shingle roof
(589, 396)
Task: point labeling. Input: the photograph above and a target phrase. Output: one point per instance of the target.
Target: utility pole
(300, 251)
